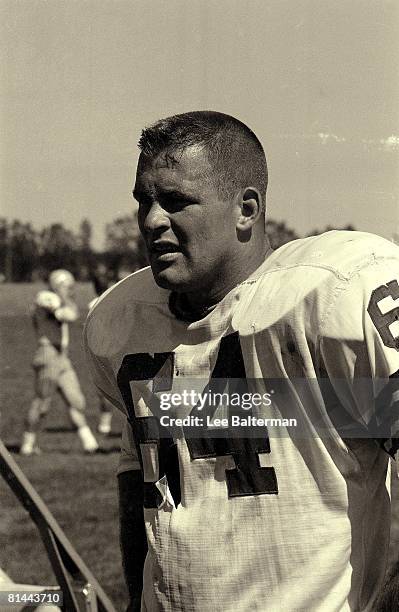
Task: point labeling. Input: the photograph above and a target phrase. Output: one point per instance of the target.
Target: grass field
(80, 490)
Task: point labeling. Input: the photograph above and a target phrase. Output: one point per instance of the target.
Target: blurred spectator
(102, 279)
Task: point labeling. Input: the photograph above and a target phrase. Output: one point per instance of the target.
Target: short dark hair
(234, 152)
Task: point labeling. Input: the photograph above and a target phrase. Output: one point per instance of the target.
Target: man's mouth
(161, 247)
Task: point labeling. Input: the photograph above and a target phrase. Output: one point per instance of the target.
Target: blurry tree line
(28, 254)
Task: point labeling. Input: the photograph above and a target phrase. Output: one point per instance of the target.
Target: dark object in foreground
(388, 599)
(81, 591)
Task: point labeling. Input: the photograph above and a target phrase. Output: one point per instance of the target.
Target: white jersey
(291, 518)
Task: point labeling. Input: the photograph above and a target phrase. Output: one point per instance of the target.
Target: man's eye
(144, 204)
(176, 203)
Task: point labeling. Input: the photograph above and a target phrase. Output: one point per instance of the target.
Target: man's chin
(169, 279)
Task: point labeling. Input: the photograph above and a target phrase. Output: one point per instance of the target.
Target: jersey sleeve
(359, 349)
(103, 379)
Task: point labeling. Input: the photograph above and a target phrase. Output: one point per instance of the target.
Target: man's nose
(156, 219)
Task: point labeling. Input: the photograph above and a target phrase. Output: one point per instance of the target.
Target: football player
(267, 519)
(53, 310)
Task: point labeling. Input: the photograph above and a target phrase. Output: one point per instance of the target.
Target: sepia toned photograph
(199, 305)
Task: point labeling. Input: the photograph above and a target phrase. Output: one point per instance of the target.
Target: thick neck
(197, 304)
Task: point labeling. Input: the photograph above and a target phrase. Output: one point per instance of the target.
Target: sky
(317, 80)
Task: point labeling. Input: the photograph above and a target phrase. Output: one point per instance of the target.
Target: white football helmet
(60, 277)
(48, 300)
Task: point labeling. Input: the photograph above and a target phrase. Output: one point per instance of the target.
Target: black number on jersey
(247, 477)
(159, 369)
(383, 321)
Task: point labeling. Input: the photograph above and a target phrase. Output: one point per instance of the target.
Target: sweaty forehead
(184, 167)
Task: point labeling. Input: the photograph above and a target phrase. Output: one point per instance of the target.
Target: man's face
(189, 231)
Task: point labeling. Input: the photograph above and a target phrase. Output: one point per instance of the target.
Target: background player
(103, 279)
(271, 521)
(54, 309)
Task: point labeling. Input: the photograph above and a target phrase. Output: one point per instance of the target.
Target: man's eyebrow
(164, 192)
(175, 193)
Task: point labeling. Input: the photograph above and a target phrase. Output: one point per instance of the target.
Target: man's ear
(250, 203)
